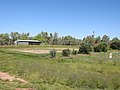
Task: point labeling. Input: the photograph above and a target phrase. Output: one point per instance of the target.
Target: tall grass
(80, 72)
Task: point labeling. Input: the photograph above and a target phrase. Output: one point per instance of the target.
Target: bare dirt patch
(24, 89)
(6, 77)
(43, 51)
(34, 51)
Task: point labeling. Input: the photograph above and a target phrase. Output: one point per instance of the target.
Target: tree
(66, 52)
(24, 36)
(85, 48)
(115, 43)
(53, 53)
(78, 42)
(4, 39)
(97, 40)
(39, 38)
(90, 40)
(105, 39)
(115, 39)
(69, 40)
(62, 42)
(50, 38)
(43, 36)
(55, 39)
(14, 36)
(74, 52)
(102, 47)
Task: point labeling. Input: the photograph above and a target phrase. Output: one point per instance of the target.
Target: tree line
(44, 37)
(55, 39)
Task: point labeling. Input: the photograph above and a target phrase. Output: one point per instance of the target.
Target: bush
(115, 45)
(74, 52)
(102, 47)
(85, 48)
(53, 53)
(66, 52)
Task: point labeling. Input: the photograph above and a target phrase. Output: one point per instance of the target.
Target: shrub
(102, 47)
(85, 48)
(53, 53)
(115, 45)
(97, 49)
(66, 52)
(74, 52)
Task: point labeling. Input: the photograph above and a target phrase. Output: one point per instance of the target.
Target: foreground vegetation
(77, 72)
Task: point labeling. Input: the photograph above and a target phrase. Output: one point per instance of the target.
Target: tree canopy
(55, 39)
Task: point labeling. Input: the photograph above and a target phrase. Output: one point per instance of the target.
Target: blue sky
(77, 18)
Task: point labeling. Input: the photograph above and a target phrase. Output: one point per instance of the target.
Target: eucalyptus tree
(39, 38)
(90, 40)
(106, 39)
(4, 39)
(24, 36)
(14, 36)
(115, 43)
(50, 39)
(55, 39)
(97, 40)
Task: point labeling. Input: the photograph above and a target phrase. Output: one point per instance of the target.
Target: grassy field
(80, 72)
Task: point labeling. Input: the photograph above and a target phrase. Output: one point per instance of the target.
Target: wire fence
(107, 56)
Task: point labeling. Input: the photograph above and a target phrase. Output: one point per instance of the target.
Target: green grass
(37, 46)
(80, 72)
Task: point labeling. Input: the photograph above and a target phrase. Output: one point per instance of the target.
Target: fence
(107, 56)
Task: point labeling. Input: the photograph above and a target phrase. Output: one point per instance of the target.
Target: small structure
(27, 42)
(110, 56)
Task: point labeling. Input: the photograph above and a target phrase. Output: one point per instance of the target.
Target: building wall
(29, 42)
(23, 43)
(34, 43)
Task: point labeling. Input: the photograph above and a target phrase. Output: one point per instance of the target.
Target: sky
(78, 18)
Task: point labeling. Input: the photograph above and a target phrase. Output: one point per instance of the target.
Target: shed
(27, 42)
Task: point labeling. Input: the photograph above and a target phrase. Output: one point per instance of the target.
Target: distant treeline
(54, 39)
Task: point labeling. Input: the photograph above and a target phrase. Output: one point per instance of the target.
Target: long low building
(27, 42)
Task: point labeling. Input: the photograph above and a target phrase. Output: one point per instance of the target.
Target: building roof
(27, 41)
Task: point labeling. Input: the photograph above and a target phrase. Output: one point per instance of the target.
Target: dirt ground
(34, 51)
(6, 77)
(39, 51)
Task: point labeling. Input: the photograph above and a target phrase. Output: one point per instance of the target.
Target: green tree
(105, 39)
(97, 40)
(50, 38)
(53, 53)
(66, 52)
(39, 38)
(24, 36)
(4, 39)
(115, 39)
(102, 47)
(90, 40)
(69, 40)
(115, 43)
(55, 39)
(85, 48)
(14, 36)
(74, 52)
(45, 36)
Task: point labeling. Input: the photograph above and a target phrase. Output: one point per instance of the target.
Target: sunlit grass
(79, 72)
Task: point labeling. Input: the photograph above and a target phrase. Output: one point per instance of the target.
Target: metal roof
(27, 41)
